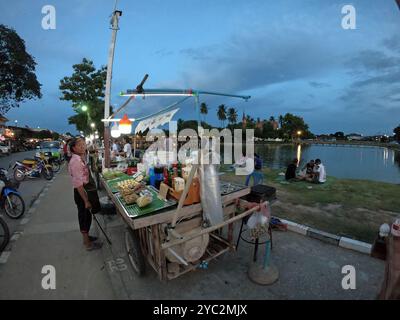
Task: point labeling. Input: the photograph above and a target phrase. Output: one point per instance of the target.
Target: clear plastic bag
(257, 219)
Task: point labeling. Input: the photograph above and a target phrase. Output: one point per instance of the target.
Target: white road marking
(15, 237)
(24, 221)
(4, 256)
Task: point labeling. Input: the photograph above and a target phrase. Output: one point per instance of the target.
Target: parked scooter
(10, 199)
(32, 168)
(55, 162)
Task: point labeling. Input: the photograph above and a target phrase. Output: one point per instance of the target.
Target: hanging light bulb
(125, 125)
(115, 133)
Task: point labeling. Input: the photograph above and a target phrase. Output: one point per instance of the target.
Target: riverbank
(351, 208)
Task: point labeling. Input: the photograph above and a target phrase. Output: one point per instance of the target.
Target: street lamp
(16, 123)
(84, 108)
(93, 125)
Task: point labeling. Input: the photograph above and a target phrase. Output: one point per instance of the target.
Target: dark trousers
(84, 215)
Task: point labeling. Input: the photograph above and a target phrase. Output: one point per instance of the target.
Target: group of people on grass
(313, 171)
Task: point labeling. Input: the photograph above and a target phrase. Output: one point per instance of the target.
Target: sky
(289, 55)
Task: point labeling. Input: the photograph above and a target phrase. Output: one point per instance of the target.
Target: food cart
(172, 237)
(147, 236)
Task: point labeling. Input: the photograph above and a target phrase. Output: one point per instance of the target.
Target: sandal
(94, 246)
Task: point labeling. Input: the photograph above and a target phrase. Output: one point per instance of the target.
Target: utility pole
(114, 26)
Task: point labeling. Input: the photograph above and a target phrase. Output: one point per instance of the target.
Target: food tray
(112, 184)
(157, 204)
(227, 187)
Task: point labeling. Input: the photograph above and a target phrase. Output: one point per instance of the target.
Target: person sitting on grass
(308, 171)
(319, 172)
(290, 174)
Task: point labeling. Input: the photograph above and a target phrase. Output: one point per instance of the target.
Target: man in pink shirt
(79, 172)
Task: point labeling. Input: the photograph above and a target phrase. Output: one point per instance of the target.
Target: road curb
(329, 238)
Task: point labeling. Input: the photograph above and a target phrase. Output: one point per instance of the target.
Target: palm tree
(203, 110)
(232, 115)
(222, 114)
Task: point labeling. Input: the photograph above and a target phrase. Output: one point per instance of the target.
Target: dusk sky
(289, 55)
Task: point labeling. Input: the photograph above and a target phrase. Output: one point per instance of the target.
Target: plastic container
(152, 177)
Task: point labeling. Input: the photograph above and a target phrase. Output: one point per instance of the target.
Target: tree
(232, 116)
(272, 118)
(203, 110)
(18, 80)
(339, 135)
(85, 87)
(268, 130)
(292, 124)
(396, 132)
(222, 114)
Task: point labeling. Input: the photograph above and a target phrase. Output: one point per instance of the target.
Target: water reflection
(371, 163)
(396, 157)
(298, 154)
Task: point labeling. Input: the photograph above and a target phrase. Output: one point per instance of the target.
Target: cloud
(163, 53)
(390, 78)
(251, 61)
(392, 43)
(372, 60)
(319, 84)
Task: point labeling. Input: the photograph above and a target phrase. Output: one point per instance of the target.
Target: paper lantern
(125, 125)
(115, 133)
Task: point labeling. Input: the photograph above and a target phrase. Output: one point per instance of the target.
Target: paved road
(29, 188)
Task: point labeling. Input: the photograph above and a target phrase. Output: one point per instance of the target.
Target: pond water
(351, 162)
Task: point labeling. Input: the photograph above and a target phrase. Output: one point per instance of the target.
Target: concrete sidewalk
(52, 237)
(309, 269)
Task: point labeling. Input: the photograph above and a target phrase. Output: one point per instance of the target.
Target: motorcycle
(50, 159)
(10, 199)
(32, 168)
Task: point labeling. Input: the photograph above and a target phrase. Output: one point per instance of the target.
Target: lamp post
(114, 26)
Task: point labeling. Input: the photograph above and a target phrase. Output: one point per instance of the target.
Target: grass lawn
(352, 208)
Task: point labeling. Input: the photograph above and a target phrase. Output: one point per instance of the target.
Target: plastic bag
(257, 219)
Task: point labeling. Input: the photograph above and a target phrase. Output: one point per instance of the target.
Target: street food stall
(179, 215)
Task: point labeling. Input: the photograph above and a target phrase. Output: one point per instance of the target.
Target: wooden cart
(146, 237)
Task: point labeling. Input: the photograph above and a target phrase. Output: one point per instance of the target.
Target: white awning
(155, 121)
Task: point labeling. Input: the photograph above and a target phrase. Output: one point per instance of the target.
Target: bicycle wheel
(14, 206)
(4, 234)
(135, 254)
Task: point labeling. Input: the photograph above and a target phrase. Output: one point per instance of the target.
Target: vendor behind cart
(79, 172)
(127, 152)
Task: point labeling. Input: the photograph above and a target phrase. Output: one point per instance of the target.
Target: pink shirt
(78, 170)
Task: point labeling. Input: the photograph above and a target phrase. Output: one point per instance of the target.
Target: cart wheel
(134, 251)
